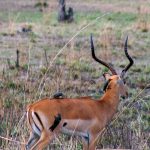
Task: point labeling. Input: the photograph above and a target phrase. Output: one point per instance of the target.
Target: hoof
(27, 147)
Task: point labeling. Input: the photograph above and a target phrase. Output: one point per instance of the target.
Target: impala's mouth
(123, 97)
(126, 94)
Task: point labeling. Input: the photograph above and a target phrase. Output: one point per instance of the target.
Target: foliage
(74, 72)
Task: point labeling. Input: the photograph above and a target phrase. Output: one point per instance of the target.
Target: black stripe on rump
(39, 119)
(36, 125)
(56, 122)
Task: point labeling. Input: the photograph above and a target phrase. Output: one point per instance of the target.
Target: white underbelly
(74, 132)
(77, 127)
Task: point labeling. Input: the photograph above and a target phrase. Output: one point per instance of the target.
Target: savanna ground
(74, 72)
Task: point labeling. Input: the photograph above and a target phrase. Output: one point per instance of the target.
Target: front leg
(86, 141)
(93, 142)
(89, 143)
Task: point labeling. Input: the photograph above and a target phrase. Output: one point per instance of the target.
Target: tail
(34, 121)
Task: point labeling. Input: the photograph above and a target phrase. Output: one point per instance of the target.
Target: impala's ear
(106, 76)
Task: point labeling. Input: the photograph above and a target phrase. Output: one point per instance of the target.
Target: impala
(82, 117)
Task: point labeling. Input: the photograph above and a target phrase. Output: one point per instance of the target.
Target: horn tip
(91, 36)
(127, 39)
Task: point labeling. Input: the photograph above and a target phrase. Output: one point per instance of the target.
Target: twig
(11, 140)
(45, 53)
(17, 59)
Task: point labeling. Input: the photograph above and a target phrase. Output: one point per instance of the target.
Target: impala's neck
(111, 100)
(112, 97)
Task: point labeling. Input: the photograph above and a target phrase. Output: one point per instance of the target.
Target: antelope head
(114, 80)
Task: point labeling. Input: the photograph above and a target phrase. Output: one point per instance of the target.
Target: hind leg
(44, 140)
(32, 140)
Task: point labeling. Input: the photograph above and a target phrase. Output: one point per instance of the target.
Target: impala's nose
(125, 95)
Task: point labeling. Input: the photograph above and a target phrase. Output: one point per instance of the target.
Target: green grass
(120, 20)
(24, 16)
(77, 75)
(81, 66)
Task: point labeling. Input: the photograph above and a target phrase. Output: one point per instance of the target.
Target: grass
(120, 19)
(24, 16)
(74, 71)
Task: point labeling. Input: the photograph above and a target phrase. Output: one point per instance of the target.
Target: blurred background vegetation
(32, 28)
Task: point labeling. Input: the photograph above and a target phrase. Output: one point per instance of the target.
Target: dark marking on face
(106, 85)
(56, 122)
